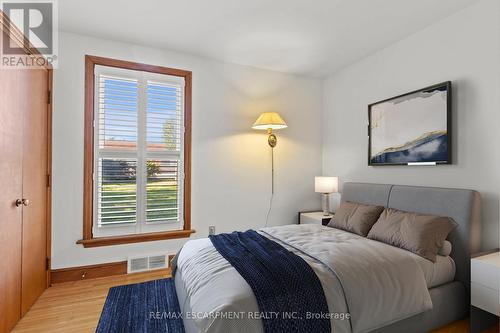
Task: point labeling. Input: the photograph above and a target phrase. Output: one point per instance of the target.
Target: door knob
(26, 202)
(18, 202)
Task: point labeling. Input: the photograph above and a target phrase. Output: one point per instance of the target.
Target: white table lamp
(326, 185)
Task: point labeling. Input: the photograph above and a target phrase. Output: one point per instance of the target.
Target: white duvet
(375, 283)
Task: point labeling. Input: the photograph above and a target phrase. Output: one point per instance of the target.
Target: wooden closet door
(11, 138)
(34, 243)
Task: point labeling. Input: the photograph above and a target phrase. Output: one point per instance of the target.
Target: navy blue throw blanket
(288, 292)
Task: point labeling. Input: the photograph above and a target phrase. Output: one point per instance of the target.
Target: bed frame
(451, 301)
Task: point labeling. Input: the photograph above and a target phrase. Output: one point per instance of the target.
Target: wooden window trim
(88, 240)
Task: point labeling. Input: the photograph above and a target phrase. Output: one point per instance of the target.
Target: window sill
(137, 238)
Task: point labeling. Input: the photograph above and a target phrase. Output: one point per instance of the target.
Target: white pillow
(445, 250)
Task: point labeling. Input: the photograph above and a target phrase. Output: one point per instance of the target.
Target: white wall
(231, 162)
(463, 48)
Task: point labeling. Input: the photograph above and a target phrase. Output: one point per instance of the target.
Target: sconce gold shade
(269, 120)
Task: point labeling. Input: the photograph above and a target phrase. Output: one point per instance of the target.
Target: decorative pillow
(421, 234)
(355, 217)
(445, 250)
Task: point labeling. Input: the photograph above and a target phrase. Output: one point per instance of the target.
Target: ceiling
(315, 37)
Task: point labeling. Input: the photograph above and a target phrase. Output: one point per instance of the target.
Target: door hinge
(47, 264)
(49, 181)
(49, 97)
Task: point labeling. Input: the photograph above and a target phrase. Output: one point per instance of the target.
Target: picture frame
(414, 128)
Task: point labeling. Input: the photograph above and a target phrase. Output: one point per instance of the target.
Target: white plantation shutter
(162, 192)
(118, 99)
(164, 117)
(138, 162)
(164, 128)
(117, 191)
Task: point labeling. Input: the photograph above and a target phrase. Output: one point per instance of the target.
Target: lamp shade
(270, 120)
(326, 184)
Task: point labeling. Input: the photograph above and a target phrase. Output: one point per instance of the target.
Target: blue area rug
(143, 307)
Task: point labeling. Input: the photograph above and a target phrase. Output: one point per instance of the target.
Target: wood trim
(96, 271)
(14, 33)
(135, 238)
(21, 40)
(88, 150)
(88, 272)
(137, 66)
(49, 176)
(170, 258)
(187, 149)
(88, 240)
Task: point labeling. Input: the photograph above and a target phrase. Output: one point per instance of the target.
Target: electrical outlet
(211, 230)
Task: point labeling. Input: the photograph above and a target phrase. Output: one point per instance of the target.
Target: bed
(384, 288)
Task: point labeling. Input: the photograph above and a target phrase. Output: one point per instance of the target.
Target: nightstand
(485, 282)
(314, 218)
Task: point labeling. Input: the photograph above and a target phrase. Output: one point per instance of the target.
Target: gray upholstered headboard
(463, 206)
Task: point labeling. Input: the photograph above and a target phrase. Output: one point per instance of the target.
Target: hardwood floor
(76, 306)
(462, 326)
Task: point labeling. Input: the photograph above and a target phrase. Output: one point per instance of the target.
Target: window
(137, 152)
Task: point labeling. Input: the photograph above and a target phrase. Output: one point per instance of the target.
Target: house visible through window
(138, 162)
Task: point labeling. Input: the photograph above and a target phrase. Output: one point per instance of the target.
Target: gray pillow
(355, 217)
(421, 234)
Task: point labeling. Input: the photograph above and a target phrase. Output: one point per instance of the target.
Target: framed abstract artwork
(411, 129)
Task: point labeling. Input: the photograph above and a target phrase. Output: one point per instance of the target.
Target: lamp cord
(272, 188)
(272, 172)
